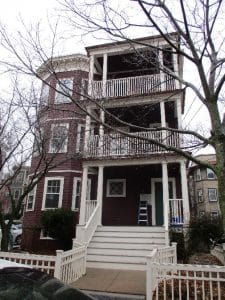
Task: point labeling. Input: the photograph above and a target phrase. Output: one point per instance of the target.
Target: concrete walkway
(113, 281)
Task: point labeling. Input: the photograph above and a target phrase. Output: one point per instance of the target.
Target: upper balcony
(129, 86)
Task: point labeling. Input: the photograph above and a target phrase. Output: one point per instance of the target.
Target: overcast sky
(31, 11)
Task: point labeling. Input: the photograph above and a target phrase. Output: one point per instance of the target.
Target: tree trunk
(5, 239)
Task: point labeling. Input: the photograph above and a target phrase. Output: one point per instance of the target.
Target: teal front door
(159, 204)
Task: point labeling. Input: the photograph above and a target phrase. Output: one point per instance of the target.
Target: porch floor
(113, 281)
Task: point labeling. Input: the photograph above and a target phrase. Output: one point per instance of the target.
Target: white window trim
(45, 94)
(200, 193)
(60, 192)
(60, 98)
(64, 150)
(215, 200)
(34, 198)
(79, 129)
(75, 180)
(115, 180)
(209, 171)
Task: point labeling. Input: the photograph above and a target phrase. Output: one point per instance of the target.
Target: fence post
(149, 279)
(58, 261)
(174, 245)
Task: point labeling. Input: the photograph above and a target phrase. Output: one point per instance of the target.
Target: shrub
(178, 237)
(58, 224)
(201, 230)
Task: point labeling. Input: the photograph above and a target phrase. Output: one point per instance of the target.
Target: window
(77, 192)
(31, 199)
(44, 94)
(59, 138)
(214, 214)
(212, 194)
(200, 195)
(80, 138)
(38, 142)
(65, 90)
(53, 192)
(198, 174)
(16, 194)
(116, 188)
(210, 174)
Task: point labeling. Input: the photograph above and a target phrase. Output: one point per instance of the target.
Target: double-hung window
(64, 90)
(31, 199)
(200, 195)
(59, 138)
(53, 192)
(77, 192)
(198, 175)
(212, 194)
(44, 94)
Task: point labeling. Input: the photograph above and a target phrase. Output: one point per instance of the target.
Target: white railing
(176, 212)
(137, 144)
(129, 86)
(67, 266)
(90, 207)
(178, 281)
(45, 263)
(166, 254)
(85, 232)
(71, 264)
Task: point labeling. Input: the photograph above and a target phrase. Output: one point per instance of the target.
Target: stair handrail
(85, 232)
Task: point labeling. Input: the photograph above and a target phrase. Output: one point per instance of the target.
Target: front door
(159, 204)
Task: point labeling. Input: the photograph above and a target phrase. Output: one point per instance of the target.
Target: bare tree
(197, 39)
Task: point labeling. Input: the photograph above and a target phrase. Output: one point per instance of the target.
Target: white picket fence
(168, 280)
(67, 266)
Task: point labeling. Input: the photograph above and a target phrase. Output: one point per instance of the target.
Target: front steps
(114, 247)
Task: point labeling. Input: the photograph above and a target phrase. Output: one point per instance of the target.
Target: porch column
(163, 121)
(184, 189)
(83, 196)
(87, 131)
(100, 192)
(176, 71)
(179, 113)
(91, 75)
(162, 73)
(101, 131)
(104, 75)
(165, 195)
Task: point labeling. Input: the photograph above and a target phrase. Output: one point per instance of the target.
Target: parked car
(18, 282)
(16, 234)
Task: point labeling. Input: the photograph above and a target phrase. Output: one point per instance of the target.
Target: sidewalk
(113, 281)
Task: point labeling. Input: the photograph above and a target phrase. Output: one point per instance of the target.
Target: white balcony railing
(138, 144)
(130, 86)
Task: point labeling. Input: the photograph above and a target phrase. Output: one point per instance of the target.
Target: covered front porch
(116, 191)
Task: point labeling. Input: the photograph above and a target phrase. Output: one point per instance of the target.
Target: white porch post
(91, 75)
(162, 74)
(100, 192)
(163, 121)
(176, 71)
(83, 196)
(184, 189)
(101, 131)
(104, 75)
(165, 198)
(87, 131)
(179, 113)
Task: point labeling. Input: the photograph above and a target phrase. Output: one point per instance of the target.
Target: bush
(201, 230)
(58, 224)
(178, 237)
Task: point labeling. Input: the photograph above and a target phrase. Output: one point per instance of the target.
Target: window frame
(216, 195)
(214, 214)
(65, 146)
(74, 202)
(200, 195)
(62, 87)
(209, 171)
(61, 179)
(34, 198)
(45, 91)
(198, 174)
(120, 180)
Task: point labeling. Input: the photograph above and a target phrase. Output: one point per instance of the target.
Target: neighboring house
(130, 188)
(14, 189)
(203, 188)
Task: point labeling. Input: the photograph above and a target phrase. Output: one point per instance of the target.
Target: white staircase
(123, 247)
